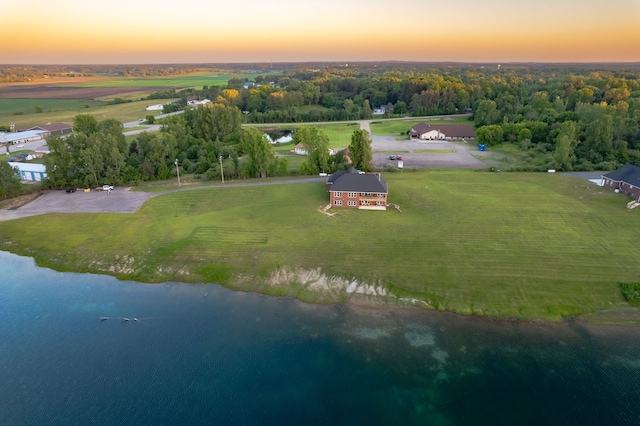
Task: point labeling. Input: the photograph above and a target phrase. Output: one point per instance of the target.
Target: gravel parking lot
(120, 200)
(415, 153)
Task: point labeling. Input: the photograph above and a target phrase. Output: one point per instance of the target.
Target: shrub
(630, 292)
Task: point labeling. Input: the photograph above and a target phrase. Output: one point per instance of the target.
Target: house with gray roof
(424, 131)
(358, 190)
(626, 179)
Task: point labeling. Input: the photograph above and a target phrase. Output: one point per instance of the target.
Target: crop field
(61, 101)
(496, 244)
(59, 113)
(196, 81)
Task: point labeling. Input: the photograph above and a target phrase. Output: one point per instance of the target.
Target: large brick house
(357, 190)
(626, 179)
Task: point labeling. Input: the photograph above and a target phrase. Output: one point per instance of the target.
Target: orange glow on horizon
(507, 33)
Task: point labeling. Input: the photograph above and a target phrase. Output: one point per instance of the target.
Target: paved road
(120, 200)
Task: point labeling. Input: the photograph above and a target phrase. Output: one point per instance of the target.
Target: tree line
(197, 142)
(569, 117)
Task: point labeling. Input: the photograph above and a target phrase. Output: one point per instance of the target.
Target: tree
(566, 143)
(486, 113)
(400, 108)
(257, 148)
(10, 185)
(348, 107)
(85, 124)
(360, 149)
(490, 135)
(316, 143)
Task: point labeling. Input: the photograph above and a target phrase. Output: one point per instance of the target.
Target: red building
(357, 190)
(626, 179)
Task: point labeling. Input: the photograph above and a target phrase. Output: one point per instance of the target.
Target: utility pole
(221, 171)
(177, 171)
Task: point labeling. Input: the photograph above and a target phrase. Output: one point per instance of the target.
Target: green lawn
(395, 127)
(339, 134)
(496, 244)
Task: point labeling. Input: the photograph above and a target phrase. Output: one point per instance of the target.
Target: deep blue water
(201, 354)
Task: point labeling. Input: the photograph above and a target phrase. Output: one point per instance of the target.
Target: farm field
(61, 111)
(528, 246)
(61, 101)
(181, 81)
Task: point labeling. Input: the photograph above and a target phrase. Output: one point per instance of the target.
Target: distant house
(41, 151)
(358, 190)
(381, 110)
(626, 179)
(299, 149)
(30, 172)
(54, 129)
(195, 103)
(425, 131)
(156, 107)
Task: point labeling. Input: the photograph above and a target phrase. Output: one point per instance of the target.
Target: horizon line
(325, 62)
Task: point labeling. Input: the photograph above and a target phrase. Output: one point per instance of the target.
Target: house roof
(53, 127)
(29, 167)
(450, 130)
(628, 174)
(19, 136)
(353, 180)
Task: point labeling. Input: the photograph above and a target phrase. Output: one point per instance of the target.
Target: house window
(352, 203)
(352, 194)
(380, 203)
(337, 202)
(337, 193)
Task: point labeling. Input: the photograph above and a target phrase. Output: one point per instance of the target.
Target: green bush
(631, 292)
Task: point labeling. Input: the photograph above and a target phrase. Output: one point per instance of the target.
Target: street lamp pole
(221, 171)
(177, 171)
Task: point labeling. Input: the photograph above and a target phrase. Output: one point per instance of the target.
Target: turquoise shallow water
(201, 354)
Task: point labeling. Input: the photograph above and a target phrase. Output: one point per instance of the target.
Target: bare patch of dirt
(14, 203)
(38, 91)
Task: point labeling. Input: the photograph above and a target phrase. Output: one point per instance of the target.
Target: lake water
(201, 354)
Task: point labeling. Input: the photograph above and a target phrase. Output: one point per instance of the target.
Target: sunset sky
(160, 31)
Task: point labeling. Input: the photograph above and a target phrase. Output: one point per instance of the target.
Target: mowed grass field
(395, 127)
(528, 246)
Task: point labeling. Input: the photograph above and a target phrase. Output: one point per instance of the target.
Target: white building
(156, 107)
(22, 137)
(30, 172)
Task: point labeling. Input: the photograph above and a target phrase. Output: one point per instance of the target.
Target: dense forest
(575, 117)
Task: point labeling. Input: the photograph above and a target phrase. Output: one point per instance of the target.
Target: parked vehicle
(392, 157)
(105, 188)
(70, 190)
